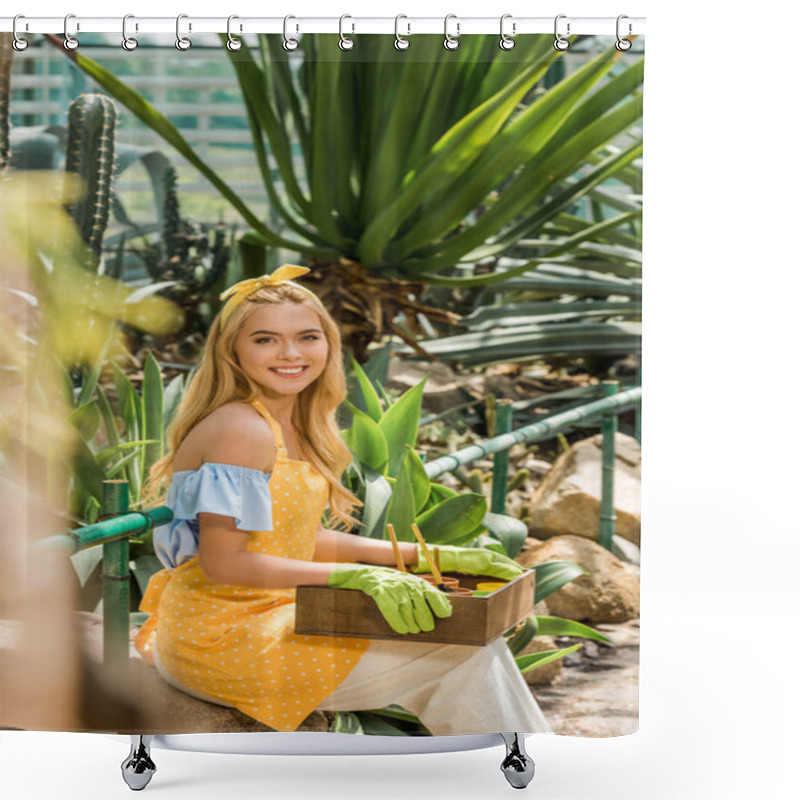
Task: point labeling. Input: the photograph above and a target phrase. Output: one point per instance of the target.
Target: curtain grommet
(128, 42)
(70, 42)
(345, 42)
(289, 44)
(19, 44)
(561, 44)
(401, 42)
(233, 44)
(451, 42)
(506, 42)
(623, 44)
(182, 43)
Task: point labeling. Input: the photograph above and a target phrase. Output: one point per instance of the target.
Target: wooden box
(475, 621)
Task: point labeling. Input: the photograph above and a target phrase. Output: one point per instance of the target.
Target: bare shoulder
(234, 433)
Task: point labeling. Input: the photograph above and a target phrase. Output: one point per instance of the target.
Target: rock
(609, 593)
(538, 467)
(599, 696)
(444, 389)
(626, 551)
(567, 501)
(178, 712)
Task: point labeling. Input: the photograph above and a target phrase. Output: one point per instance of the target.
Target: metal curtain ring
(506, 42)
(19, 44)
(560, 43)
(451, 42)
(400, 42)
(623, 44)
(128, 42)
(70, 42)
(182, 42)
(345, 42)
(289, 44)
(233, 44)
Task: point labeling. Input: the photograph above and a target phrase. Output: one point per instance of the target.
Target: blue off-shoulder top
(238, 492)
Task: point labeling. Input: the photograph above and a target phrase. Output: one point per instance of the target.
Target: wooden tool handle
(431, 563)
(398, 556)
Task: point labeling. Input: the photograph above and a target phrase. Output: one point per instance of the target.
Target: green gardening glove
(470, 561)
(403, 599)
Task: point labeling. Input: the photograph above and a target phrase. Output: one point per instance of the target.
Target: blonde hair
(219, 379)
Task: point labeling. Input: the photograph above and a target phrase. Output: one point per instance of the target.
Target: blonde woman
(255, 458)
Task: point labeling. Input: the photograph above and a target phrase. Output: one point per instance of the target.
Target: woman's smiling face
(282, 348)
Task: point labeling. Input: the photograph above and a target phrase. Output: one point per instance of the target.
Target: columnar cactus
(90, 154)
(5, 96)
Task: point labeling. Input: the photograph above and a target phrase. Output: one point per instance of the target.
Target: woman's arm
(340, 546)
(237, 434)
(224, 559)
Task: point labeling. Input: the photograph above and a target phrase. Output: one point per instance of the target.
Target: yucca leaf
(371, 402)
(534, 660)
(86, 419)
(400, 423)
(110, 452)
(510, 531)
(401, 509)
(446, 163)
(522, 637)
(453, 519)
(552, 575)
(557, 626)
(109, 421)
(367, 441)
(152, 413)
(498, 158)
(420, 482)
(377, 494)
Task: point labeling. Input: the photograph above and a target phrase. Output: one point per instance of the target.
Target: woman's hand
(403, 599)
(470, 561)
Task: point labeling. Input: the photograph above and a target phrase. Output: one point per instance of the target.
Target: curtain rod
(349, 25)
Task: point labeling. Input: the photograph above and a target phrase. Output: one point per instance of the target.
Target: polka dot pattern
(238, 644)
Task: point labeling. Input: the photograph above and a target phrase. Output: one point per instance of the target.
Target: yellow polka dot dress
(237, 644)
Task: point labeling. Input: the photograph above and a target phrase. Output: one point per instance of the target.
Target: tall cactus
(90, 154)
(5, 97)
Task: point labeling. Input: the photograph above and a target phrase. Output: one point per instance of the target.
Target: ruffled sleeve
(226, 489)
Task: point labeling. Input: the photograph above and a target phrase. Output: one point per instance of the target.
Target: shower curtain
(471, 218)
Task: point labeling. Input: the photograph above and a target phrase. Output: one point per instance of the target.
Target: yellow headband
(239, 292)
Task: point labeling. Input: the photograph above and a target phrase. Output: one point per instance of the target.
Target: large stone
(609, 593)
(567, 501)
(444, 389)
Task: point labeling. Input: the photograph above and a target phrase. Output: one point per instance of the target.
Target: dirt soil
(597, 694)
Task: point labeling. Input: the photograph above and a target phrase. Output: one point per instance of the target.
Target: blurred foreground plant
(51, 311)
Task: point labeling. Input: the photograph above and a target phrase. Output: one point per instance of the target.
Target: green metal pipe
(116, 586)
(608, 517)
(503, 416)
(537, 431)
(124, 525)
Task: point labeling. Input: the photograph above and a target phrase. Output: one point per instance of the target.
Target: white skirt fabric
(454, 689)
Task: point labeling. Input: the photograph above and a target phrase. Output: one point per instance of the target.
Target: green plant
(6, 51)
(188, 261)
(120, 439)
(90, 154)
(387, 188)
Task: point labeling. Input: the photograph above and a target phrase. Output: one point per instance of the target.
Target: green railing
(112, 531)
(117, 524)
(608, 407)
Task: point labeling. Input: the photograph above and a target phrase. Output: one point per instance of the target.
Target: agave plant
(389, 477)
(388, 171)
